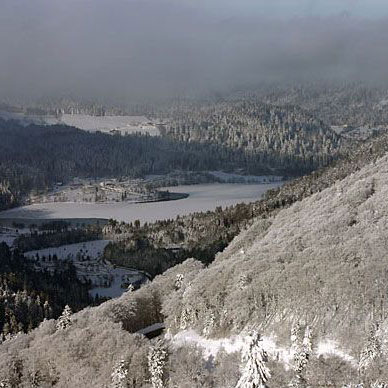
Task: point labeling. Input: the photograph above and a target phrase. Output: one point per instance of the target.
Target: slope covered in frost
(318, 267)
(323, 261)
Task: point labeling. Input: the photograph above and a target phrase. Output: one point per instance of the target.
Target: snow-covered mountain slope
(319, 266)
(323, 261)
(85, 353)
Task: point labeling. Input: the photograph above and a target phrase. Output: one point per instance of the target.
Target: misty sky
(128, 49)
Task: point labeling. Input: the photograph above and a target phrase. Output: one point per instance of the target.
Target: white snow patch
(329, 348)
(8, 238)
(93, 249)
(108, 124)
(211, 347)
(108, 280)
(9, 235)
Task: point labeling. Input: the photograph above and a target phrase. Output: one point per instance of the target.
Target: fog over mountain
(126, 50)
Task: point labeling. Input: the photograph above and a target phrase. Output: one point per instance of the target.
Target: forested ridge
(29, 295)
(35, 157)
(281, 138)
(352, 104)
(154, 247)
(284, 131)
(253, 138)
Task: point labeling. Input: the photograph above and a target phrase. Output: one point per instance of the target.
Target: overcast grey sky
(289, 8)
(129, 49)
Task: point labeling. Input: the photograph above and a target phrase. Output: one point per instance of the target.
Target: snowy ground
(122, 124)
(201, 198)
(107, 280)
(10, 234)
(92, 248)
(108, 124)
(8, 237)
(210, 347)
(121, 276)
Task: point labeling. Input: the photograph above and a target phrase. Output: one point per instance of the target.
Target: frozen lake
(201, 198)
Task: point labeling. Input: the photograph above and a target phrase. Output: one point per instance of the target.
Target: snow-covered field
(201, 198)
(10, 234)
(8, 237)
(122, 124)
(107, 280)
(94, 249)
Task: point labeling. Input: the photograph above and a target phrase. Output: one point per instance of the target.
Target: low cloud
(131, 50)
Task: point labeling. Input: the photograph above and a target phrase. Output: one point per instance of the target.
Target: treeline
(352, 104)
(157, 246)
(285, 138)
(251, 137)
(28, 296)
(33, 158)
(54, 238)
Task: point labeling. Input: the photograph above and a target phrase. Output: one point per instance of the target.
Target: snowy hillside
(322, 260)
(312, 280)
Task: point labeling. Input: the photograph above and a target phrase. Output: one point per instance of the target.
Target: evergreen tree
(302, 350)
(119, 375)
(130, 288)
(372, 349)
(178, 281)
(255, 374)
(64, 321)
(157, 360)
(378, 384)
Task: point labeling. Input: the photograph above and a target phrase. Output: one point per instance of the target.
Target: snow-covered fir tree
(243, 281)
(379, 384)
(64, 321)
(157, 360)
(371, 351)
(47, 310)
(35, 379)
(302, 349)
(210, 322)
(255, 373)
(178, 281)
(184, 318)
(119, 375)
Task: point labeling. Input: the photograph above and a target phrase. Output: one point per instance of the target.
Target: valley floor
(201, 198)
